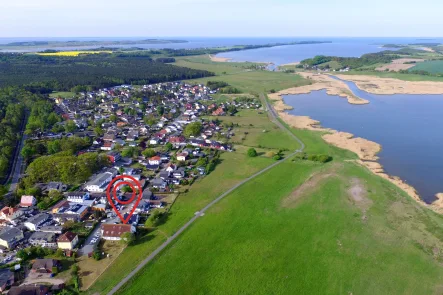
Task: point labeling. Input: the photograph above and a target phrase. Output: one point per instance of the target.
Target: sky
(221, 18)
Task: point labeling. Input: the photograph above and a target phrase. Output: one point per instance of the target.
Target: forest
(13, 102)
(95, 71)
(355, 62)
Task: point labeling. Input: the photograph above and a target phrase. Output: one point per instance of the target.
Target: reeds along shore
(365, 149)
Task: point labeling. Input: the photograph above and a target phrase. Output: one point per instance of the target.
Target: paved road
(88, 246)
(18, 161)
(274, 118)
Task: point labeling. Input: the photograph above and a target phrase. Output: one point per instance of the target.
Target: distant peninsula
(74, 43)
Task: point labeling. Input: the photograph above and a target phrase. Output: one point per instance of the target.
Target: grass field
(249, 81)
(63, 94)
(433, 66)
(342, 231)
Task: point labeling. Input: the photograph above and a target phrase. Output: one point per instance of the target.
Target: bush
(277, 157)
(252, 153)
(314, 157)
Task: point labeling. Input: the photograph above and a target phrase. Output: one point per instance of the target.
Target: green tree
(193, 129)
(113, 118)
(148, 153)
(252, 153)
(160, 110)
(169, 146)
(96, 255)
(70, 126)
(98, 131)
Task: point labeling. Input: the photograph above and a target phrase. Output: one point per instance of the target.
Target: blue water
(409, 128)
(344, 47)
(277, 55)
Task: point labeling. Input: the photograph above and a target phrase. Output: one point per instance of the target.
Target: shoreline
(366, 150)
(324, 81)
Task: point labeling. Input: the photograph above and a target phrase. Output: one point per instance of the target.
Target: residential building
(181, 157)
(114, 156)
(43, 239)
(9, 236)
(156, 160)
(30, 290)
(28, 201)
(67, 241)
(114, 232)
(45, 266)
(10, 213)
(99, 182)
(35, 221)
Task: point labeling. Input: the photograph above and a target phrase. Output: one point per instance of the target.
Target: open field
(240, 76)
(432, 66)
(400, 64)
(63, 94)
(304, 228)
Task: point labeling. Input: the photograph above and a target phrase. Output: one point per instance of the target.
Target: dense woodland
(95, 70)
(352, 62)
(13, 103)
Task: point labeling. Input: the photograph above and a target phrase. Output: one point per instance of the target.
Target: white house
(99, 183)
(156, 160)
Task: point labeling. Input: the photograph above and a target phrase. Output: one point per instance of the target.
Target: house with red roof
(28, 201)
(156, 160)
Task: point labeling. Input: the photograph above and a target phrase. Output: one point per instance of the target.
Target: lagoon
(409, 128)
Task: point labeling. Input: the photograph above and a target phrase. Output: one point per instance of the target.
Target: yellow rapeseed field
(71, 53)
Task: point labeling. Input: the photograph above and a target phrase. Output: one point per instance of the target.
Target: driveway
(89, 246)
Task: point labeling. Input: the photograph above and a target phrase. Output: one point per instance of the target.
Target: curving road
(274, 118)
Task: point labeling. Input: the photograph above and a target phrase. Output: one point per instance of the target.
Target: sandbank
(320, 82)
(377, 85)
(291, 64)
(219, 59)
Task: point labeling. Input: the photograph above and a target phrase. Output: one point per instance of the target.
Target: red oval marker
(134, 185)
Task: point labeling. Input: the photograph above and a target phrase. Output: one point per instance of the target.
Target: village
(166, 153)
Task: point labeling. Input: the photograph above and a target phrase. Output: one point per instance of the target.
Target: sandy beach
(366, 150)
(291, 64)
(219, 59)
(377, 85)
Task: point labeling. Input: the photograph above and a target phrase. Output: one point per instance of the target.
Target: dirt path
(358, 196)
(310, 185)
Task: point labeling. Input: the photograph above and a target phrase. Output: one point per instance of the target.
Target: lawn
(345, 231)
(63, 94)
